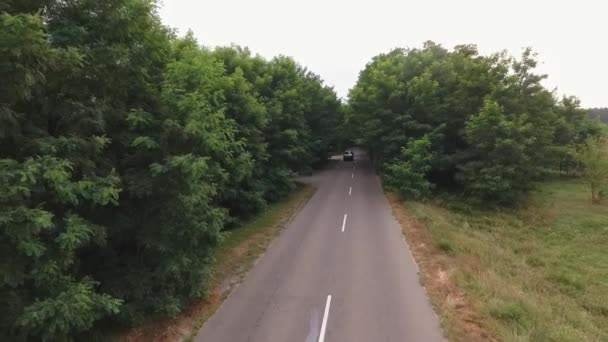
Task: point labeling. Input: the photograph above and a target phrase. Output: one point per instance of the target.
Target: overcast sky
(336, 38)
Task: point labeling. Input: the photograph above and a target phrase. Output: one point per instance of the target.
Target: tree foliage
(593, 156)
(125, 151)
(407, 173)
(495, 129)
(499, 163)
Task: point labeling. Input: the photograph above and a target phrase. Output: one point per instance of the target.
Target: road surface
(340, 272)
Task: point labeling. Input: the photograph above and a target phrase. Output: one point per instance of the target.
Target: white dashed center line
(325, 317)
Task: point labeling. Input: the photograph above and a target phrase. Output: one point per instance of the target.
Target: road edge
(459, 322)
(306, 192)
(244, 256)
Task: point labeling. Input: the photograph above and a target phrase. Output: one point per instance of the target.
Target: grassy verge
(234, 258)
(536, 273)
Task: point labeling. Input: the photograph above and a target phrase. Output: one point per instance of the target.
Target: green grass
(536, 273)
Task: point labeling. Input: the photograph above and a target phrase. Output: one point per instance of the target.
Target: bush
(407, 174)
(593, 156)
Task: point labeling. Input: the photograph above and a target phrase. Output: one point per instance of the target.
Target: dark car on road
(348, 155)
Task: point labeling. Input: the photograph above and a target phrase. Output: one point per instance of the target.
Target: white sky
(336, 38)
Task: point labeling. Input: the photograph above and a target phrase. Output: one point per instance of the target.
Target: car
(348, 155)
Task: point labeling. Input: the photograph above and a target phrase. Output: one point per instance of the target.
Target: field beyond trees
(538, 272)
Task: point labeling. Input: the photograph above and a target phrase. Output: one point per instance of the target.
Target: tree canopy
(492, 127)
(125, 151)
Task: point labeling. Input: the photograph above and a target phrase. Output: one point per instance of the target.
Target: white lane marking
(344, 223)
(353, 175)
(350, 190)
(325, 317)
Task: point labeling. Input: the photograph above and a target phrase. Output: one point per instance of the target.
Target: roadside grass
(235, 256)
(534, 273)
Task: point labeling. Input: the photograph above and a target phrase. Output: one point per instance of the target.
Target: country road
(340, 272)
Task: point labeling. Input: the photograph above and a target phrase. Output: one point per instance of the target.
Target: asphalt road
(340, 272)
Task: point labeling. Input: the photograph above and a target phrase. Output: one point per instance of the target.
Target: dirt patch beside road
(458, 317)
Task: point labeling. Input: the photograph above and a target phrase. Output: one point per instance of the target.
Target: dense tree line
(125, 151)
(599, 113)
(455, 120)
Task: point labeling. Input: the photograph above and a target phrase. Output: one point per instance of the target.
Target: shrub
(407, 174)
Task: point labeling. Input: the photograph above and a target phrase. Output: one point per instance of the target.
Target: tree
(459, 97)
(407, 174)
(593, 155)
(572, 127)
(408, 93)
(50, 180)
(500, 167)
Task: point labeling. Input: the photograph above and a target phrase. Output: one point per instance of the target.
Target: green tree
(124, 154)
(50, 181)
(572, 127)
(407, 174)
(409, 93)
(593, 155)
(500, 166)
